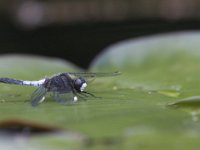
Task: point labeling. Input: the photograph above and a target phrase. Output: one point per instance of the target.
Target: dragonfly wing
(65, 98)
(89, 76)
(93, 75)
(38, 96)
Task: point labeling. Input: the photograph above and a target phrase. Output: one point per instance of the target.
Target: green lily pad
(156, 71)
(133, 111)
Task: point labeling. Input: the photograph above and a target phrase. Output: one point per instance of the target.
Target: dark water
(80, 43)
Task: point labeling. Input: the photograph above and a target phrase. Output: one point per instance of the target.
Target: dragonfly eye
(80, 84)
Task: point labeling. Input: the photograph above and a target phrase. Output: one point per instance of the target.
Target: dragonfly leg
(81, 96)
(89, 94)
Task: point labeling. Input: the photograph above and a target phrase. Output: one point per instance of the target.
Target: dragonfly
(65, 88)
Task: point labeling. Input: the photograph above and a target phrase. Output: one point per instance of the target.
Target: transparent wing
(38, 96)
(65, 98)
(93, 75)
(89, 77)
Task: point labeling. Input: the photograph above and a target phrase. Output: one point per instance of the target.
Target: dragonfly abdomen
(34, 83)
(11, 81)
(21, 82)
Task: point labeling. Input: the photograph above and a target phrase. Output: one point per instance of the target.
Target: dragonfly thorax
(80, 84)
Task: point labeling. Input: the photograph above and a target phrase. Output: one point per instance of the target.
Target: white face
(84, 85)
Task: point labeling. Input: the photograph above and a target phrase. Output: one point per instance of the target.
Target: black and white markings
(34, 83)
(65, 87)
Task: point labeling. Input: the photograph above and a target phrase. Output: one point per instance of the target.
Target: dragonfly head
(80, 84)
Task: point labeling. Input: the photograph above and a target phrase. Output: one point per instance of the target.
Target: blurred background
(77, 30)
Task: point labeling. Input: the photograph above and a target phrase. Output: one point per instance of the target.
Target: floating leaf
(155, 70)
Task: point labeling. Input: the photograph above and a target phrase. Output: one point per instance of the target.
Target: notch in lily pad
(24, 128)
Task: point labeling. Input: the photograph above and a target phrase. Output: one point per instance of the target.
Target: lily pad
(156, 71)
(133, 111)
(16, 123)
